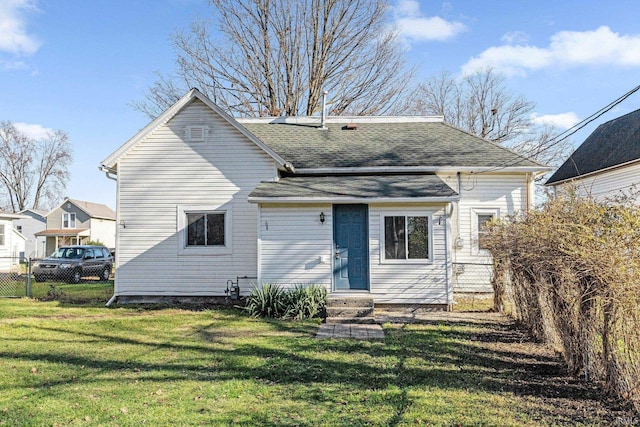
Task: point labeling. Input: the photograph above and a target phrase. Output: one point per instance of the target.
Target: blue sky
(76, 65)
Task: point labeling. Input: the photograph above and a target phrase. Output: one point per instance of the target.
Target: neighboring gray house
(34, 221)
(607, 163)
(75, 222)
(389, 207)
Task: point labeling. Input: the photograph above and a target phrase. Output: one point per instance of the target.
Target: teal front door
(351, 247)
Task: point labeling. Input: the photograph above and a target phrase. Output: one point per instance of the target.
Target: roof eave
(590, 174)
(414, 169)
(308, 200)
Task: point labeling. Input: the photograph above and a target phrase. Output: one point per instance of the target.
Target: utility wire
(567, 133)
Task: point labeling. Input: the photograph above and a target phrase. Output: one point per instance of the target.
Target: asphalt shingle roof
(96, 210)
(392, 144)
(355, 186)
(612, 143)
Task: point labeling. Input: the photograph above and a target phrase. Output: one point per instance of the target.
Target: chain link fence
(15, 280)
(26, 279)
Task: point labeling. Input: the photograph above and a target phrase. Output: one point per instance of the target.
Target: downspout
(109, 173)
(528, 181)
(457, 241)
(113, 298)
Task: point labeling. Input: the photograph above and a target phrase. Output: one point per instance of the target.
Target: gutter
(109, 172)
(446, 199)
(417, 169)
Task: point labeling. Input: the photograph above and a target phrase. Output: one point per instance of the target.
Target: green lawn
(65, 364)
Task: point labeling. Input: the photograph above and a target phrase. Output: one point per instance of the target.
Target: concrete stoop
(350, 310)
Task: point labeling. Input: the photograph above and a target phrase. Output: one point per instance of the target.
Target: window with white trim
(480, 218)
(204, 229)
(406, 238)
(68, 220)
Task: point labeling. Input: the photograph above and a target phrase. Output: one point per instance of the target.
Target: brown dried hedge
(570, 272)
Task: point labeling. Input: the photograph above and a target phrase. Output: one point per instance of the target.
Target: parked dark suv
(72, 263)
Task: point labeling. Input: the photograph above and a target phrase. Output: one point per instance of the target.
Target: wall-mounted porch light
(123, 224)
(321, 217)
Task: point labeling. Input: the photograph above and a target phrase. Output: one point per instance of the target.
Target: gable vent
(196, 133)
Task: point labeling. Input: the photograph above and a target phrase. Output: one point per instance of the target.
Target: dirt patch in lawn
(515, 363)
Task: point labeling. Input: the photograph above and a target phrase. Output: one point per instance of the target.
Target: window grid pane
(215, 229)
(483, 220)
(394, 237)
(418, 232)
(195, 230)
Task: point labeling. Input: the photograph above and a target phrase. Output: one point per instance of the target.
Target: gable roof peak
(612, 144)
(110, 163)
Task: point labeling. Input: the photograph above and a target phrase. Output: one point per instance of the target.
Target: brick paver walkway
(350, 330)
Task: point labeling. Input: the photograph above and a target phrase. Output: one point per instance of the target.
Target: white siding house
(12, 243)
(606, 164)
(385, 207)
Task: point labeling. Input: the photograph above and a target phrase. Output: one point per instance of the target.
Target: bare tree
(481, 104)
(32, 172)
(268, 57)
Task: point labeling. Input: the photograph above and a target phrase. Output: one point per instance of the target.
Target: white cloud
(14, 38)
(515, 37)
(34, 131)
(562, 120)
(414, 25)
(566, 49)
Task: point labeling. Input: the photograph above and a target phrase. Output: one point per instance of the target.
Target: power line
(567, 133)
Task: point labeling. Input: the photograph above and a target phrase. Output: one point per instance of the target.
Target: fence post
(29, 278)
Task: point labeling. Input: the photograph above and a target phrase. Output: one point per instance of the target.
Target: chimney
(324, 110)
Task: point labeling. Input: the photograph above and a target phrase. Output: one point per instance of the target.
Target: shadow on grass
(471, 356)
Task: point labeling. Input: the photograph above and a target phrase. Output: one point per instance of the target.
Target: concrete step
(349, 311)
(350, 302)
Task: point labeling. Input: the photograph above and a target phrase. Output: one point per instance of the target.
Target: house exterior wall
(103, 230)
(54, 218)
(13, 245)
(296, 248)
(407, 282)
(29, 226)
(612, 183)
(165, 174)
(504, 194)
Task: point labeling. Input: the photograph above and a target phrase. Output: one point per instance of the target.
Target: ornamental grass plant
(271, 300)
